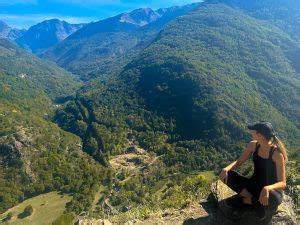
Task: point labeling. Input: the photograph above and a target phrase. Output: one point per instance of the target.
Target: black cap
(262, 127)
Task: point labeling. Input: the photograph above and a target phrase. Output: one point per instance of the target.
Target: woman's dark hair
(280, 146)
(266, 129)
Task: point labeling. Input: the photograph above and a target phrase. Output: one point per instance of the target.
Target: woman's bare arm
(243, 158)
(236, 164)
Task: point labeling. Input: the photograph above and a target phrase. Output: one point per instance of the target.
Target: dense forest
(192, 84)
(36, 155)
(177, 93)
(189, 95)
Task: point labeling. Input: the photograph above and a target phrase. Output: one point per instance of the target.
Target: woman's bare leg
(247, 196)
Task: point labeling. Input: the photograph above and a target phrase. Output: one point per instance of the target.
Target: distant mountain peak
(144, 16)
(162, 11)
(53, 22)
(140, 17)
(46, 34)
(8, 32)
(3, 25)
(142, 10)
(99, 46)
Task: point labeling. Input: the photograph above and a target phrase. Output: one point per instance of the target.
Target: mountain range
(29, 89)
(43, 35)
(107, 45)
(206, 75)
(189, 93)
(180, 83)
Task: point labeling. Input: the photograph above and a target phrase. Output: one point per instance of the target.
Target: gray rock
(283, 215)
(17, 148)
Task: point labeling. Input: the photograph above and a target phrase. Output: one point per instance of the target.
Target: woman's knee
(231, 178)
(232, 175)
(275, 198)
(235, 181)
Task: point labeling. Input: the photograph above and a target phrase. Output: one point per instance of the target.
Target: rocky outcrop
(192, 214)
(17, 148)
(211, 211)
(284, 215)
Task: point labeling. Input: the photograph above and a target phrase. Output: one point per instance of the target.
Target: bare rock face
(16, 149)
(284, 215)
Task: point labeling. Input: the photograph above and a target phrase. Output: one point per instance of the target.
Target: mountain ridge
(104, 46)
(167, 94)
(17, 63)
(10, 33)
(203, 78)
(46, 34)
(36, 155)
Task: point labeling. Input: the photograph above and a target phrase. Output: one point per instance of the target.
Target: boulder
(220, 192)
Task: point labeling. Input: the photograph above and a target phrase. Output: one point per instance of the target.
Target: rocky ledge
(284, 215)
(211, 211)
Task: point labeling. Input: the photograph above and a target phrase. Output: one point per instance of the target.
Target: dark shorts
(238, 182)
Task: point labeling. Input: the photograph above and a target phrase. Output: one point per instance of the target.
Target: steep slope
(10, 33)
(36, 156)
(19, 64)
(194, 89)
(244, 53)
(106, 46)
(44, 35)
(283, 13)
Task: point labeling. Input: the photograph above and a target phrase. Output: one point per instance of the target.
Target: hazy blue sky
(25, 13)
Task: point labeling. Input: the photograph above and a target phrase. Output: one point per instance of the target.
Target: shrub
(9, 216)
(28, 210)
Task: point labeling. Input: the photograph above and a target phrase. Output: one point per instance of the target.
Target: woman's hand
(224, 175)
(264, 196)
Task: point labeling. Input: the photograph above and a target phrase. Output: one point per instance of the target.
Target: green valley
(158, 105)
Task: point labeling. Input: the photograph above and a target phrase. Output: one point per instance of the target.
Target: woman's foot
(247, 201)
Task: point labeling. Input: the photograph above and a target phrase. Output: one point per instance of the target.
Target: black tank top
(264, 169)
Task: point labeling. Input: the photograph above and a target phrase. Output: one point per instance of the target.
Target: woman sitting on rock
(264, 188)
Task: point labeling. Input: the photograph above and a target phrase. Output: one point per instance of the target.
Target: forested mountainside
(46, 34)
(36, 155)
(166, 94)
(16, 64)
(206, 75)
(188, 96)
(106, 46)
(283, 13)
